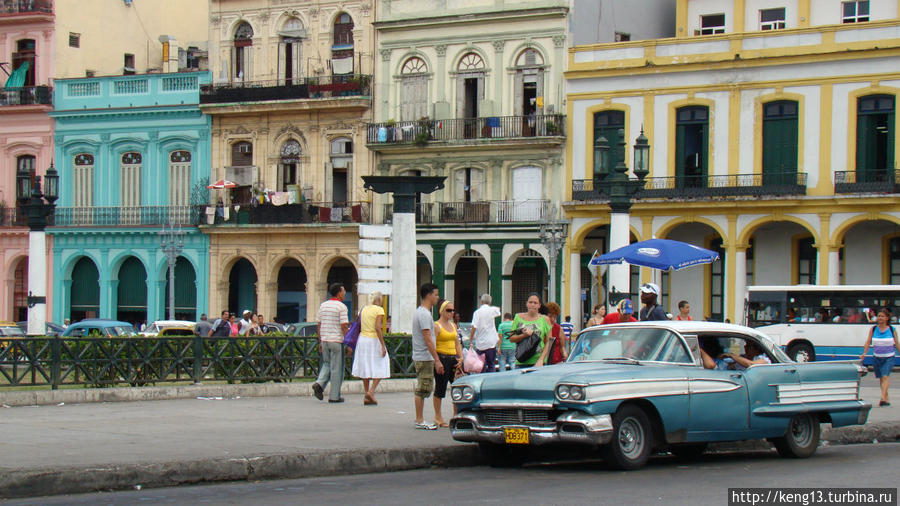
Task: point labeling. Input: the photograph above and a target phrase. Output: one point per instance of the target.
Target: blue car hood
(538, 384)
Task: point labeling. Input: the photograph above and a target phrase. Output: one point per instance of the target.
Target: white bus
(813, 322)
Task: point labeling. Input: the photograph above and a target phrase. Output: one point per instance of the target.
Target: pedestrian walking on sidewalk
(559, 343)
(507, 347)
(450, 355)
(424, 353)
(221, 327)
(484, 332)
(333, 324)
(202, 327)
(371, 361)
(883, 341)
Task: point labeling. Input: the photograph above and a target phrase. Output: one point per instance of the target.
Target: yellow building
(290, 95)
(773, 132)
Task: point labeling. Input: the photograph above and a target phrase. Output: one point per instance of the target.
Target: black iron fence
(26, 95)
(499, 127)
(353, 85)
(137, 361)
(488, 211)
(788, 183)
(875, 181)
(20, 6)
(127, 216)
(288, 214)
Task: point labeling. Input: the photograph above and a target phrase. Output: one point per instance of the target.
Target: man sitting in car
(753, 354)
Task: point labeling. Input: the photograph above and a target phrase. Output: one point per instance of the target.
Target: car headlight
(462, 393)
(562, 392)
(576, 393)
(456, 393)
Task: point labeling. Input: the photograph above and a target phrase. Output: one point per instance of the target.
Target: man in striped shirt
(333, 324)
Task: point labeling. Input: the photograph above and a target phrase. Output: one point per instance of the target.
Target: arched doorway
(470, 280)
(84, 294)
(131, 298)
(242, 287)
(423, 270)
(20, 290)
(291, 299)
(529, 275)
(342, 271)
(702, 286)
(185, 291)
(870, 254)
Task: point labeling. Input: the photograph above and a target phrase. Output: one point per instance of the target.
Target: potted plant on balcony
(552, 127)
(423, 131)
(390, 124)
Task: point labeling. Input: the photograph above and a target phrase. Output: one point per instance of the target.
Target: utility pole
(172, 244)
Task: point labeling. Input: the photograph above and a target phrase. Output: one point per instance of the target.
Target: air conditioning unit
(245, 148)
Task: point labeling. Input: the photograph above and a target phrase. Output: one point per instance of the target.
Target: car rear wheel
(688, 451)
(801, 352)
(632, 439)
(801, 439)
(498, 455)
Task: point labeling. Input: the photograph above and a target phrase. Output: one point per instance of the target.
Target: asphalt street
(664, 481)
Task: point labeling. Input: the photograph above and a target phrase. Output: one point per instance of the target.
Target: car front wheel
(801, 439)
(632, 439)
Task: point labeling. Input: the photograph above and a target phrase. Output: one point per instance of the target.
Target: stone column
(496, 288)
(37, 282)
(403, 261)
(619, 235)
(737, 256)
(440, 75)
(834, 264)
(573, 309)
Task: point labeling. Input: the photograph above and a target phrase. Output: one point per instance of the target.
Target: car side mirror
(693, 343)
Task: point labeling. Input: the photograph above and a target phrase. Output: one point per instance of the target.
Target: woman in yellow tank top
(449, 353)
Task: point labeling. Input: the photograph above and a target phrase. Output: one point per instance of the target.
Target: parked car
(629, 389)
(9, 329)
(100, 327)
(268, 328)
(303, 329)
(164, 328)
(52, 328)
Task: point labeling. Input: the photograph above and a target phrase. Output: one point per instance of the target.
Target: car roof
(8, 324)
(101, 321)
(173, 323)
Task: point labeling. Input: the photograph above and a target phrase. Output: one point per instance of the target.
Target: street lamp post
(172, 244)
(553, 237)
(621, 189)
(38, 207)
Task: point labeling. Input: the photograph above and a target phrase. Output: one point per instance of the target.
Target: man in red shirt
(623, 314)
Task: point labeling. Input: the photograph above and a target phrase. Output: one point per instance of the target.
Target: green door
(780, 143)
(185, 291)
(242, 289)
(875, 139)
(84, 297)
(608, 124)
(691, 147)
(132, 292)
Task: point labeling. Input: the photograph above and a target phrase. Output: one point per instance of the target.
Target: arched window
(290, 58)
(469, 92)
(341, 165)
(413, 89)
(342, 49)
(470, 62)
(83, 184)
(875, 138)
(25, 55)
(179, 178)
(130, 182)
(290, 163)
(529, 84)
(240, 59)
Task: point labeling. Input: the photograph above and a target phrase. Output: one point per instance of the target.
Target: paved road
(664, 481)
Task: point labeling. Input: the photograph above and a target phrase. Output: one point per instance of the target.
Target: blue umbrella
(663, 254)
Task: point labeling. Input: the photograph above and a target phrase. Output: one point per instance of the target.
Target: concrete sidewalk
(74, 448)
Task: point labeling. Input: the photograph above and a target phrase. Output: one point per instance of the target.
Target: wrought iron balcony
(288, 214)
(26, 95)
(11, 217)
(25, 6)
(358, 85)
(126, 216)
(876, 181)
(488, 211)
(700, 187)
(423, 131)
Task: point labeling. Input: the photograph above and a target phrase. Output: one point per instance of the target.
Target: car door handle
(790, 370)
(737, 376)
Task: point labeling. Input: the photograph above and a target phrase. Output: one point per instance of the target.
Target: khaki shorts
(424, 378)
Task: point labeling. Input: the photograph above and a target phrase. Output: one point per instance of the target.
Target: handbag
(473, 362)
(526, 348)
(352, 335)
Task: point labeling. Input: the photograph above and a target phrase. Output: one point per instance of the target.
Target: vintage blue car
(633, 388)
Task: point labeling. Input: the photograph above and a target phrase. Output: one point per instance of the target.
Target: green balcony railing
(137, 361)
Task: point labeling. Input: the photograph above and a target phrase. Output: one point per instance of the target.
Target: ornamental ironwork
(414, 65)
(470, 62)
(180, 156)
(84, 159)
(131, 158)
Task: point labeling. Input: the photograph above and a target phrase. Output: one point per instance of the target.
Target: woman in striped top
(883, 340)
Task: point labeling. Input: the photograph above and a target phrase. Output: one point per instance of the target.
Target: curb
(18, 398)
(74, 480)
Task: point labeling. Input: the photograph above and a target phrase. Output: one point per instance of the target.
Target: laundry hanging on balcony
(342, 65)
(17, 78)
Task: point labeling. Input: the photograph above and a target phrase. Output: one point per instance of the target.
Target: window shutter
(459, 186)
(476, 187)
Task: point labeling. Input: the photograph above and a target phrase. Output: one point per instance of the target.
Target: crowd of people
(227, 325)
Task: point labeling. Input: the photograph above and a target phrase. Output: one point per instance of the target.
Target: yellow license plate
(516, 436)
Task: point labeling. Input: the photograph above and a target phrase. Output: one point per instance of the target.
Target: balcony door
(608, 124)
(290, 55)
(875, 139)
(527, 187)
(413, 89)
(25, 55)
(529, 86)
(691, 146)
(780, 143)
(470, 92)
(241, 52)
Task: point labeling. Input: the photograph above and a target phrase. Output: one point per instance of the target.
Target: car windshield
(11, 331)
(629, 344)
(121, 330)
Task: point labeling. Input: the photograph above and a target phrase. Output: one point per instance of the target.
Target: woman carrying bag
(525, 326)
(371, 362)
(450, 354)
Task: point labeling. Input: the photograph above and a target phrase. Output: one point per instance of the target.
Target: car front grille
(509, 416)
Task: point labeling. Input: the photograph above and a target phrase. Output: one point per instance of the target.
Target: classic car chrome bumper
(570, 427)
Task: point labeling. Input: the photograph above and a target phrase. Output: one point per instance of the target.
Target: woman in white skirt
(371, 362)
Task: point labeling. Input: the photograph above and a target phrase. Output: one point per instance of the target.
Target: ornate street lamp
(553, 236)
(37, 207)
(172, 244)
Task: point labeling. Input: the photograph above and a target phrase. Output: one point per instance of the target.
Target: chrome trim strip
(819, 391)
(712, 386)
(518, 405)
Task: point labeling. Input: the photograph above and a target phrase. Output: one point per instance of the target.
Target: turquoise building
(133, 154)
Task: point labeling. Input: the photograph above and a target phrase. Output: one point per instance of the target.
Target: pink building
(26, 135)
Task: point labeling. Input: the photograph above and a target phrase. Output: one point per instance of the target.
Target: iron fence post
(55, 352)
(197, 372)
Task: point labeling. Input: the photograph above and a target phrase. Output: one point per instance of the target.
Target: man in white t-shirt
(244, 324)
(485, 339)
(333, 325)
